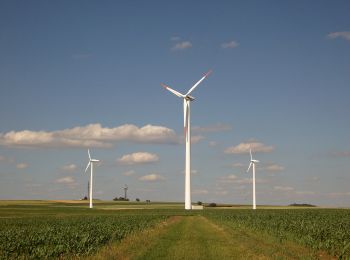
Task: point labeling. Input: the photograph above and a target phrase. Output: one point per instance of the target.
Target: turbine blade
(198, 82)
(249, 167)
(172, 90)
(89, 154)
(87, 167)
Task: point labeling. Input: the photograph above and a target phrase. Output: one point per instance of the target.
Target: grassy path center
(196, 237)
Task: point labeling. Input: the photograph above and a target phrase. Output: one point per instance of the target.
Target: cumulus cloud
(6, 159)
(229, 45)
(345, 35)
(175, 38)
(66, 180)
(152, 177)
(233, 179)
(22, 165)
(274, 168)
(338, 194)
(283, 188)
(213, 143)
(305, 192)
(138, 158)
(129, 173)
(243, 148)
(180, 46)
(341, 154)
(200, 192)
(212, 128)
(194, 139)
(93, 135)
(69, 167)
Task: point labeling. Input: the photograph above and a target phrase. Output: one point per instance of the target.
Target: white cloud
(69, 167)
(305, 192)
(93, 135)
(239, 165)
(175, 38)
(213, 143)
(22, 165)
(194, 139)
(221, 192)
(338, 194)
(200, 192)
(229, 45)
(182, 46)
(152, 177)
(283, 188)
(6, 159)
(274, 168)
(138, 158)
(345, 35)
(243, 148)
(233, 179)
(211, 128)
(66, 180)
(129, 173)
(342, 154)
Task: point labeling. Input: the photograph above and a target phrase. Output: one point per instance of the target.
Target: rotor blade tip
(208, 73)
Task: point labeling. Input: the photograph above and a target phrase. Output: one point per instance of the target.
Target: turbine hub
(190, 98)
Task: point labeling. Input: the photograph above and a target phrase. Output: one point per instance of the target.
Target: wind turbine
(91, 165)
(253, 162)
(187, 98)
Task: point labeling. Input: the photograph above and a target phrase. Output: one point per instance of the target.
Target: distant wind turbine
(187, 131)
(91, 165)
(253, 162)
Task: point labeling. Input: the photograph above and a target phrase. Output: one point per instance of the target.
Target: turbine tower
(91, 165)
(187, 131)
(253, 162)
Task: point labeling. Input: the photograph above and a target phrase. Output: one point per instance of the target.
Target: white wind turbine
(187, 131)
(253, 162)
(91, 165)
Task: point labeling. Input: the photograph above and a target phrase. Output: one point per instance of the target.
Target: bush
(212, 204)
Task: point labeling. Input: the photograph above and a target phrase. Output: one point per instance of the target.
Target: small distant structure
(125, 192)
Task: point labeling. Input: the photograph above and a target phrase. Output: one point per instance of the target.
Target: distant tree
(301, 205)
(199, 203)
(137, 199)
(212, 204)
(120, 199)
(148, 201)
(85, 198)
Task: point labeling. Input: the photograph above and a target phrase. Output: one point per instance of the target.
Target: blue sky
(85, 74)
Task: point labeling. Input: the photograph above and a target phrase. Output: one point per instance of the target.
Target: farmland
(65, 229)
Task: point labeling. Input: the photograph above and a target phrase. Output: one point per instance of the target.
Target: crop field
(68, 229)
(319, 229)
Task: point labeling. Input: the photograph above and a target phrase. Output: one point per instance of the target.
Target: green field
(119, 230)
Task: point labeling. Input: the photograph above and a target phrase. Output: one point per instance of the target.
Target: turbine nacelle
(190, 98)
